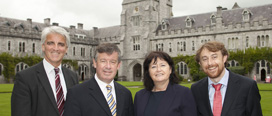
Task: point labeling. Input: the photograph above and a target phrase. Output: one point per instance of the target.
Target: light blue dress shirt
(224, 82)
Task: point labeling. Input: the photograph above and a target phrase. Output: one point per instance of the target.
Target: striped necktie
(59, 92)
(110, 100)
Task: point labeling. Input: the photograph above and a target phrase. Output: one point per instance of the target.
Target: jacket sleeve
(253, 107)
(20, 98)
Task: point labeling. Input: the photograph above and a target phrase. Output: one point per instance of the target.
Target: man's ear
(119, 64)
(94, 63)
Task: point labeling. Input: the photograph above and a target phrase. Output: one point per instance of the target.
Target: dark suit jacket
(32, 93)
(177, 101)
(87, 99)
(242, 97)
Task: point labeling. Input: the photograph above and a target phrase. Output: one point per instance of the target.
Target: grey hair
(57, 30)
(107, 48)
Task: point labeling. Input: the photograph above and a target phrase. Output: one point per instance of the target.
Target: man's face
(106, 66)
(54, 48)
(212, 63)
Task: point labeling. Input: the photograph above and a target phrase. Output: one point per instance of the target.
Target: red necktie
(59, 92)
(217, 100)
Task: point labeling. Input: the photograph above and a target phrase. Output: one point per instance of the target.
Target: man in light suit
(91, 97)
(34, 92)
(237, 95)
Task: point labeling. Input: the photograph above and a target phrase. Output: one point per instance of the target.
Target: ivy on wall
(9, 63)
(246, 58)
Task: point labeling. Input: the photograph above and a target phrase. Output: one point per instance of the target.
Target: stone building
(149, 25)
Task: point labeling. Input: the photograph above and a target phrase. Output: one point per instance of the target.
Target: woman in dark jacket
(162, 96)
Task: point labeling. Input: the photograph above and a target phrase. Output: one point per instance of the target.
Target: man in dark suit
(223, 93)
(101, 95)
(41, 89)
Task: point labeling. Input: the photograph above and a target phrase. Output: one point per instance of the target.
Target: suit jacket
(87, 99)
(32, 94)
(242, 97)
(177, 101)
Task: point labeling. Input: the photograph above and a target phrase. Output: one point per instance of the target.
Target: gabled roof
(113, 31)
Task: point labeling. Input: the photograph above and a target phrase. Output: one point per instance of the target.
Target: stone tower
(139, 20)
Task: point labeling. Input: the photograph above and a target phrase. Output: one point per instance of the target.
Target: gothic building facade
(149, 25)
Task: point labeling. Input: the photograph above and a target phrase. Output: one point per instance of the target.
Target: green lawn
(265, 91)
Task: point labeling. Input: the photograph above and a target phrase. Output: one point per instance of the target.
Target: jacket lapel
(143, 103)
(98, 96)
(204, 93)
(231, 93)
(42, 77)
(120, 100)
(68, 79)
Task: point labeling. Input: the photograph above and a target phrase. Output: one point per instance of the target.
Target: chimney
(219, 11)
(72, 27)
(55, 24)
(95, 31)
(29, 20)
(79, 26)
(47, 21)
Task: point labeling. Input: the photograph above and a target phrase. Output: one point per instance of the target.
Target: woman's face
(159, 71)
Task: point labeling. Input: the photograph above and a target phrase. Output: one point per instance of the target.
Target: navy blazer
(86, 99)
(32, 94)
(242, 97)
(177, 101)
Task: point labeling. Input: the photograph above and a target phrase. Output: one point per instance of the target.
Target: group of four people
(41, 90)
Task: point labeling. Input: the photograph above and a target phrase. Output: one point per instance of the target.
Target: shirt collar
(223, 81)
(101, 83)
(48, 67)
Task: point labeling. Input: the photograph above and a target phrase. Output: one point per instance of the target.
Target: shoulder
(121, 87)
(241, 79)
(82, 86)
(200, 83)
(180, 89)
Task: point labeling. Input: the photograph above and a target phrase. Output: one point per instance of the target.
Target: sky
(102, 13)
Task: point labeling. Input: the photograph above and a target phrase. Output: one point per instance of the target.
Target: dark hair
(148, 82)
(212, 46)
(108, 48)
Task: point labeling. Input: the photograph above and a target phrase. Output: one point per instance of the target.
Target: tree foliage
(9, 63)
(246, 58)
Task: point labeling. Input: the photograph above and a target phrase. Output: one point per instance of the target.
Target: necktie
(59, 92)
(217, 100)
(110, 100)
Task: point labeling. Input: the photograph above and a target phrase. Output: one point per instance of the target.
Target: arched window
(263, 63)
(33, 48)
(9, 45)
(21, 66)
(247, 40)
(257, 68)
(213, 19)
(182, 68)
(193, 45)
(268, 68)
(258, 41)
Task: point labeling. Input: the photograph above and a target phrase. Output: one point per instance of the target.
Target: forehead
(55, 37)
(113, 56)
(206, 52)
(161, 60)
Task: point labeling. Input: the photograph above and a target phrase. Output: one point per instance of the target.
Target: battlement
(214, 29)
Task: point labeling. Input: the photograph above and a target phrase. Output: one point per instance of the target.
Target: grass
(265, 91)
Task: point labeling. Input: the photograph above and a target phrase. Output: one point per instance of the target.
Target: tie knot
(56, 70)
(217, 87)
(108, 87)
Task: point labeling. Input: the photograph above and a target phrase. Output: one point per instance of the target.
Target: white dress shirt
(223, 89)
(50, 72)
(103, 88)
